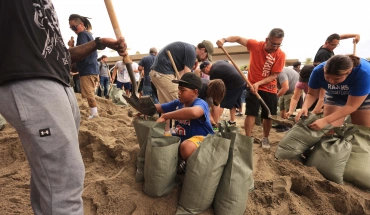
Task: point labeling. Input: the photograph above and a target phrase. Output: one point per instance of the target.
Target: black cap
(204, 64)
(190, 80)
(305, 73)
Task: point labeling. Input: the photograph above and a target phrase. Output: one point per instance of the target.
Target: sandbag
(203, 173)
(144, 130)
(357, 170)
(330, 157)
(300, 138)
(237, 177)
(223, 126)
(161, 157)
(116, 95)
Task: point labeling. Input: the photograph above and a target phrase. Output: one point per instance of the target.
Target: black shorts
(253, 104)
(232, 98)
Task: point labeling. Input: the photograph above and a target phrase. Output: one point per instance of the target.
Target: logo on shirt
(270, 60)
(338, 89)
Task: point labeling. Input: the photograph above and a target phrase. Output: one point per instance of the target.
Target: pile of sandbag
(219, 172)
(343, 156)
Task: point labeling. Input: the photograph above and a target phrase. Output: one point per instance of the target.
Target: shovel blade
(144, 105)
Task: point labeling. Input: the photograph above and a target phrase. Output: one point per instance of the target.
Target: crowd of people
(48, 125)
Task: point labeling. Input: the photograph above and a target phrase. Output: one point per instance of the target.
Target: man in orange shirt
(267, 60)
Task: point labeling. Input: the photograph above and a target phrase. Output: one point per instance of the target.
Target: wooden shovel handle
(173, 64)
(354, 48)
(115, 25)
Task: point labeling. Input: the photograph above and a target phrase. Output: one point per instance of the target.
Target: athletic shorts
(253, 104)
(232, 98)
(197, 140)
(331, 99)
(127, 85)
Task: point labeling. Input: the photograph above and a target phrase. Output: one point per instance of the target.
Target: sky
(149, 23)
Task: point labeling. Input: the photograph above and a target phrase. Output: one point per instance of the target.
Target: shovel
(246, 80)
(144, 104)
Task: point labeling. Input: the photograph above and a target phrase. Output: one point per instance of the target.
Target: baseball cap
(209, 48)
(204, 64)
(305, 73)
(190, 80)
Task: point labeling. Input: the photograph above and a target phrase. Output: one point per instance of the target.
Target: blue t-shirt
(186, 129)
(356, 84)
(89, 65)
(147, 62)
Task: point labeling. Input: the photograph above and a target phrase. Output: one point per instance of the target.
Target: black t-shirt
(31, 42)
(227, 73)
(322, 55)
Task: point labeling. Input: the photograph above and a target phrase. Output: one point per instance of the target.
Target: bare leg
(266, 123)
(232, 114)
(248, 125)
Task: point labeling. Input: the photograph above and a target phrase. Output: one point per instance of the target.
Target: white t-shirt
(135, 66)
(122, 73)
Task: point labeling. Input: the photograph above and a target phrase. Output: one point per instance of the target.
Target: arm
(232, 39)
(311, 97)
(182, 72)
(294, 101)
(347, 36)
(114, 72)
(284, 88)
(264, 81)
(184, 113)
(82, 51)
(320, 102)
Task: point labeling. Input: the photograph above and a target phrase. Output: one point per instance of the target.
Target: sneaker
(231, 123)
(284, 129)
(181, 167)
(239, 114)
(278, 126)
(265, 143)
(93, 116)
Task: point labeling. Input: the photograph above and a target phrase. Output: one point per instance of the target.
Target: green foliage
(242, 67)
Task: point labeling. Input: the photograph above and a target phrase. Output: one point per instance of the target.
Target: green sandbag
(203, 173)
(145, 129)
(223, 126)
(330, 157)
(161, 157)
(300, 138)
(237, 178)
(357, 169)
(116, 95)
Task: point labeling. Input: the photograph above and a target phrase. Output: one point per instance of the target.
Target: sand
(109, 146)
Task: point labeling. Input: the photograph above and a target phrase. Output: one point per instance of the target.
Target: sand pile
(108, 145)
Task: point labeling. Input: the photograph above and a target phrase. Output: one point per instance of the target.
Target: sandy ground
(109, 146)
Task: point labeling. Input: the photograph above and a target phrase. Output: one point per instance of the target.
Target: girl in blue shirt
(346, 80)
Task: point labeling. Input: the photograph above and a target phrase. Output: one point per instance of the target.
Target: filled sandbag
(223, 126)
(161, 157)
(300, 138)
(204, 169)
(357, 170)
(116, 96)
(237, 177)
(330, 157)
(145, 130)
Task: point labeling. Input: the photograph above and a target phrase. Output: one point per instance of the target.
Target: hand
(220, 42)
(317, 111)
(288, 114)
(137, 115)
(318, 124)
(119, 45)
(161, 119)
(356, 39)
(302, 112)
(254, 88)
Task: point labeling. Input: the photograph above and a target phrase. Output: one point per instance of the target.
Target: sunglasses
(74, 27)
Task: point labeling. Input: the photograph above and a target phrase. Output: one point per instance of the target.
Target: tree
(308, 61)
